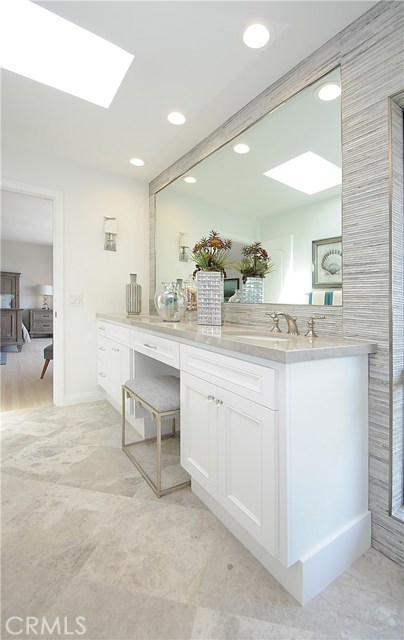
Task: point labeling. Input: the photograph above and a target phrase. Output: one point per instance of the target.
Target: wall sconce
(111, 231)
(45, 290)
(184, 246)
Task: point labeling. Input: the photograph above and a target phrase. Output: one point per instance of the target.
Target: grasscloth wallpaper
(371, 55)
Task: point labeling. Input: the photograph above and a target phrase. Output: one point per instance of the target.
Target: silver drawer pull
(115, 349)
(218, 402)
(102, 348)
(150, 346)
(102, 375)
(101, 328)
(210, 398)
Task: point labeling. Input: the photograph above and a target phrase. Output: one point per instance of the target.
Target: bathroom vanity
(273, 434)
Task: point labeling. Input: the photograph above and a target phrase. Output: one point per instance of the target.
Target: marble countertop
(251, 340)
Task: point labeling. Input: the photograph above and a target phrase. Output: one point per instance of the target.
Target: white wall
(35, 263)
(291, 281)
(99, 276)
(179, 213)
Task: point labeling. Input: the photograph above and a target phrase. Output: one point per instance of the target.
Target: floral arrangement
(255, 262)
(212, 253)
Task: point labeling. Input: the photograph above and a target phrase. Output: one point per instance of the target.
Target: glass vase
(170, 302)
(237, 296)
(210, 297)
(253, 290)
(133, 296)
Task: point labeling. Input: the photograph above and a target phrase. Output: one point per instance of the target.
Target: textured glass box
(210, 297)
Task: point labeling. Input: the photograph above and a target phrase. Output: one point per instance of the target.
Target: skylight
(309, 173)
(42, 46)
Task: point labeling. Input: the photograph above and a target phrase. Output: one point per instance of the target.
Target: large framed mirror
(238, 195)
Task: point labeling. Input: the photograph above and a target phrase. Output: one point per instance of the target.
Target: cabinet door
(8, 326)
(119, 370)
(247, 466)
(199, 431)
(113, 367)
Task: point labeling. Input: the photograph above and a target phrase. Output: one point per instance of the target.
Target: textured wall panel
(372, 58)
(371, 54)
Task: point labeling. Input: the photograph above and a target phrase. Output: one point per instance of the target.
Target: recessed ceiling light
(137, 162)
(256, 36)
(190, 180)
(176, 118)
(328, 91)
(309, 173)
(241, 148)
(44, 47)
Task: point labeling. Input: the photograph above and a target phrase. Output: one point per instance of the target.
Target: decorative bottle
(133, 296)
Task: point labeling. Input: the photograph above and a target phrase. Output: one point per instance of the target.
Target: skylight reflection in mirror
(233, 196)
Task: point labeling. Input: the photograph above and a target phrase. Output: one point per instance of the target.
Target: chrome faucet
(292, 324)
(274, 316)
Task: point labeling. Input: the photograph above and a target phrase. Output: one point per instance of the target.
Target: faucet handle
(310, 323)
(275, 318)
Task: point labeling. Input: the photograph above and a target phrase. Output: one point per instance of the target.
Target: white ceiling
(189, 56)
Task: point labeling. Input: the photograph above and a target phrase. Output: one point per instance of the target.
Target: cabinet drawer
(41, 324)
(162, 349)
(103, 348)
(113, 331)
(102, 373)
(249, 380)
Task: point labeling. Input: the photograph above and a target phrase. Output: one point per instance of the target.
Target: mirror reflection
(278, 183)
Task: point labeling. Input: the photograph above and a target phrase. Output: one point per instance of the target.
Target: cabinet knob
(210, 398)
(101, 328)
(102, 348)
(218, 402)
(115, 349)
(102, 375)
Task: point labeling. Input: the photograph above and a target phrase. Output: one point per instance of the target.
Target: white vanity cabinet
(273, 435)
(229, 425)
(113, 359)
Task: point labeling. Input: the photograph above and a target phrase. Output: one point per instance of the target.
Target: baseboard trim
(315, 571)
(81, 398)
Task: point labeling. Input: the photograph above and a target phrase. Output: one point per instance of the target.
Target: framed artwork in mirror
(230, 286)
(327, 263)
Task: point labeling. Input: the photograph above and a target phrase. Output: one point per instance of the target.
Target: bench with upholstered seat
(160, 396)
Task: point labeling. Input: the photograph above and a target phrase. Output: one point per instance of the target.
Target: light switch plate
(75, 300)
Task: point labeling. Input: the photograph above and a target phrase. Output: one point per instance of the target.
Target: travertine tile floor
(84, 536)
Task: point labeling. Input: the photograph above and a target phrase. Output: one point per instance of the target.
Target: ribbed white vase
(133, 296)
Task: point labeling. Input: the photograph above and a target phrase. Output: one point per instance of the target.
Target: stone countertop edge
(285, 350)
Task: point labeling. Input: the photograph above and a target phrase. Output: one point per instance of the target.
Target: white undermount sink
(274, 337)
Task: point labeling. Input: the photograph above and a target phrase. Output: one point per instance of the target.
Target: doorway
(32, 358)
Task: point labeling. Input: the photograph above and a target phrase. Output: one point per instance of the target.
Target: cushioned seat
(160, 396)
(48, 355)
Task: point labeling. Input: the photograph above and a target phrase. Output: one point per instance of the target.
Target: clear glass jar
(170, 302)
